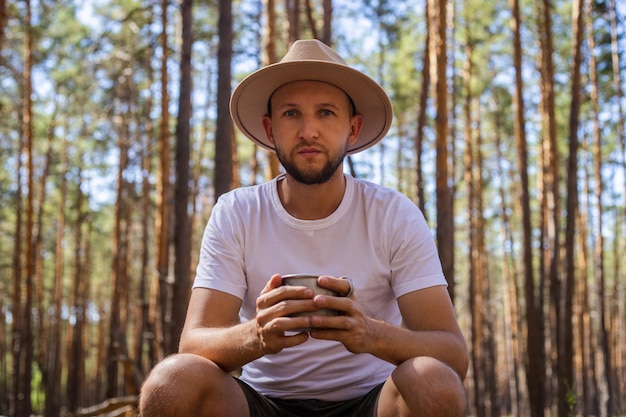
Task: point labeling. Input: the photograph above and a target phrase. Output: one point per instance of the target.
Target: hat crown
(312, 50)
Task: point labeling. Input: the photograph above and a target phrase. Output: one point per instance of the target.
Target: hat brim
(248, 103)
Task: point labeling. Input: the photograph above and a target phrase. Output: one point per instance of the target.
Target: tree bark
(510, 287)
(223, 177)
(421, 118)
(23, 349)
(271, 57)
(117, 326)
(445, 204)
(161, 312)
(76, 370)
(144, 329)
(566, 348)
(619, 290)
(327, 29)
(292, 8)
(182, 234)
(550, 195)
(310, 19)
(535, 361)
(607, 402)
(45, 326)
(53, 382)
(3, 20)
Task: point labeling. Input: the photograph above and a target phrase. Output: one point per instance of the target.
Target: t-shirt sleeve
(221, 261)
(415, 263)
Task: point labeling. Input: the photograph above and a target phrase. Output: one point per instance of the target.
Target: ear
(267, 125)
(356, 123)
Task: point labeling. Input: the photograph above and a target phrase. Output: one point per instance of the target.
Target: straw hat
(311, 60)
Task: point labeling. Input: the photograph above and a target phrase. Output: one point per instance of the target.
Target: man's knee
(427, 384)
(177, 382)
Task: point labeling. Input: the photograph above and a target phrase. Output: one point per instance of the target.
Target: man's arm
(212, 330)
(430, 315)
(431, 329)
(212, 327)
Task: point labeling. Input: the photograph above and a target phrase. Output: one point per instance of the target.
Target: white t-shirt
(377, 236)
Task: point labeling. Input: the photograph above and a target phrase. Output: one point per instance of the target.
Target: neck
(312, 202)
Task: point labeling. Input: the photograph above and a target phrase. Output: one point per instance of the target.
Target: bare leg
(422, 387)
(189, 385)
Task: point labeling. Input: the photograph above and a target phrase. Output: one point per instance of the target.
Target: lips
(309, 151)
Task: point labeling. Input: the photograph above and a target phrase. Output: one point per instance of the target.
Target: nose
(309, 128)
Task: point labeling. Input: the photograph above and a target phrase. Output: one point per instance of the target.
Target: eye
(327, 112)
(290, 113)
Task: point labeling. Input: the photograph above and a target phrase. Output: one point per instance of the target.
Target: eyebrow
(352, 107)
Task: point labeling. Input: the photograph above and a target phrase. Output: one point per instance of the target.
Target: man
(394, 349)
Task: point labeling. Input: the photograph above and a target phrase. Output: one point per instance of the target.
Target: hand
(352, 327)
(273, 308)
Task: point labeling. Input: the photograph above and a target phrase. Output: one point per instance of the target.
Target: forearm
(397, 344)
(229, 347)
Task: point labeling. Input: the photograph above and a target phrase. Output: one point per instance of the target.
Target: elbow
(185, 344)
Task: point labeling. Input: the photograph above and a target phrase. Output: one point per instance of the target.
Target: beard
(312, 176)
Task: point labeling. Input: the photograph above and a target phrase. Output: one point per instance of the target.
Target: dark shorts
(262, 406)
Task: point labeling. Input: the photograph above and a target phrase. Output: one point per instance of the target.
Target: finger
(286, 300)
(273, 338)
(330, 328)
(274, 282)
(350, 291)
(282, 327)
(342, 304)
(274, 292)
(344, 285)
(265, 299)
(293, 308)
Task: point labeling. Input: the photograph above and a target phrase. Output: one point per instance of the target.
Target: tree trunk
(310, 19)
(476, 281)
(23, 337)
(182, 234)
(535, 361)
(76, 370)
(144, 329)
(45, 327)
(421, 118)
(117, 326)
(292, 8)
(445, 205)
(223, 174)
(607, 405)
(161, 312)
(327, 30)
(620, 291)
(3, 20)
(16, 328)
(582, 314)
(510, 289)
(566, 348)
(488, 344)
(550, 181)
(271, 57)
(53, 381)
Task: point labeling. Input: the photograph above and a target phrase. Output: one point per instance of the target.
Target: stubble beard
(309, 176)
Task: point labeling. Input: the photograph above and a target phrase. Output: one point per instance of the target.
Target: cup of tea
(310, 281)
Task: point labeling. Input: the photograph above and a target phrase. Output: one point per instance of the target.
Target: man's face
(311, 126)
